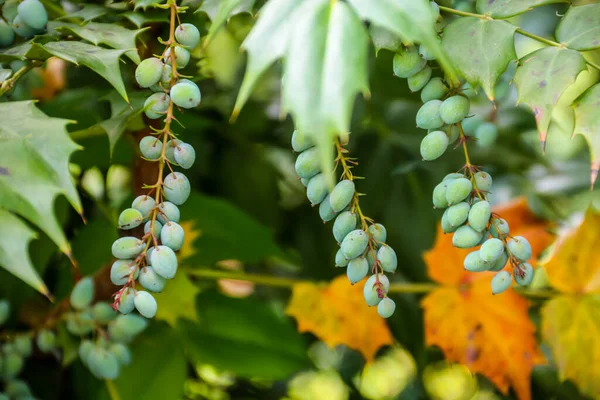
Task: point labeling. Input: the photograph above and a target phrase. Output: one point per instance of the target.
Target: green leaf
(222, 228)
(412, 20)
(243, 336)
(143, 4)
(266, 42)
(219, 11)
(384, 39)
(325, 67)
(88, 13)
(18, 52)
(105, 62)
(542, 78)
(480, 50)
(587, 124)
(510, 8)
(14, 250)
(146, 18)
(580, 28)
(111, 35)
(177, 300)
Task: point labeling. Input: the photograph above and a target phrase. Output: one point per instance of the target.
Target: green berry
(378, 232)
(308, 164)
(144, 204)
(474, 263)
(454, 109)
(126, 327)
(344, 223)
(156, 105)
(127, 247)
(479, 215)
(185, 95)
(187, 35)
(387, 258)
(483, 180)
(85, 347)
(317, 189)
(452, 176)
(4, 311)
(185, 155)
(470, 125)
(172, 235)
(466, 237)
(151, 281)
(468, 90)
(428, 116)
(491, 250)
(458, 190)
(22, 29)
(458, 213)
(126, 301)
(486, 134)
(170, 151)
(499, 263)
(167, 75)
(182, 57)
(13, 364)
(357, 269)
(121, 353)
(168, 212)
(420, 79)
(145, 304)
(370, 288)
(130, 218)
(341, 195)
(433, 90)
(83, 293)
(501, 282)
(7, 35)
(499, 228)
(386, 307)
(33, 13)
(340, 259)
(23, 345)
(46, 341)
(157, 228)
(103, 312)
(301, 142)
(424, 51)
(151, 147)
(523, 274)
(407, 62)
(325, 211)
(446, 226)
(439, 195)
(149, 72)
(164, 262)
(354, 244)
(176, 188)
(102, 363)
(80, 323)
(520, 248)
(434, 145)
(121, 270)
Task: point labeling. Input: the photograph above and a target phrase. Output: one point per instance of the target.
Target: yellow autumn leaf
(571, 321)
(177, 300)
(337, 314)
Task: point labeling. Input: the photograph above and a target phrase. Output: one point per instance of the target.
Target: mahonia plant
(463, 195)
(151, 260)
(362, 241)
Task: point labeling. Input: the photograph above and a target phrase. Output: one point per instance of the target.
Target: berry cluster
(13, 353)
(105, 350)
(151, 259)
(26, 19)
(362, 242)
(464, 195)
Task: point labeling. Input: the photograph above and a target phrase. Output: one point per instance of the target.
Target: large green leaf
(243, 336)
(105, 62)
(509, 8)
(220, 10)
(14, 253)
(21, 52)
(325, 67)
(542, 78)
(88, 13)
(111, 35)
(580, 28)
(587, 124)
(222, 228)
(480, 50)
(384, 39)
(140, 19)
(412, 20)
(266, 43)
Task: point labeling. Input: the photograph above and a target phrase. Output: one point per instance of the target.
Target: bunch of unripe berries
(468, 214)
(362, 248)
(26, 19)
(151, 260)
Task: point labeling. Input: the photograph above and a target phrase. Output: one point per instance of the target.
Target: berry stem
(8, 84)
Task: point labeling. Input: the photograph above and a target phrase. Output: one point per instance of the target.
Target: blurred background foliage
(230, 339)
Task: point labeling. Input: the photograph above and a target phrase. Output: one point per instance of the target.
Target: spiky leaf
(580, 28)
(587, 124)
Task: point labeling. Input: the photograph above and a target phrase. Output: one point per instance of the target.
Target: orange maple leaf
(571, 321)
(490, 334)
(337, 314)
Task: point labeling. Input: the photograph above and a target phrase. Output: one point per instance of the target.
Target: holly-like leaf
(412, 20)
(587, 124)
(111, 35)
(19, 52)
(510, 8)
(580, 28)
(492, 335)
(571, 322)
(15, 236)
(337, 314)
(266, 43)
(384, 39)
(243, 336)
(147, 17)
(480, 50)
(144, 4)
(89, 12)
(542, 78)
(219, 11)
(105, 62)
